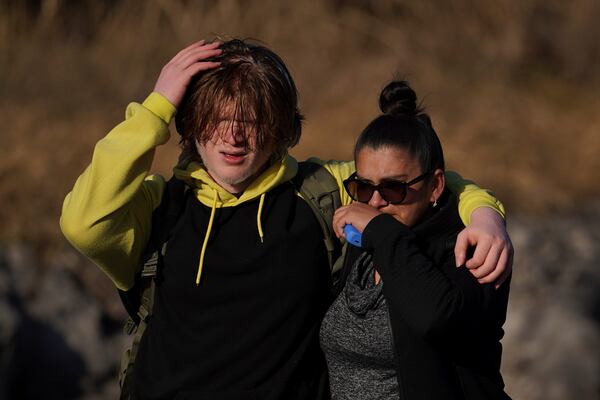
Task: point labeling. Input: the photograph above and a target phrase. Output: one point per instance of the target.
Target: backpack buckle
(143, 313)
(130, 326)
(150, 266)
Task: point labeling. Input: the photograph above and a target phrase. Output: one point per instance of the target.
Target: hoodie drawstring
(258, 214)
(208, 229)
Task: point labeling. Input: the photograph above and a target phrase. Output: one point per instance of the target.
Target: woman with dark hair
(406, 322)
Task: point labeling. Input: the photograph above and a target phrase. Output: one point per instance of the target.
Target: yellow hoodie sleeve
(107, 215)
(470, 196)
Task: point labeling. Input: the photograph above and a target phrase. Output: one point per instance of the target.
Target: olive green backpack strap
(137, 326)
(139, 300)
(320, 189)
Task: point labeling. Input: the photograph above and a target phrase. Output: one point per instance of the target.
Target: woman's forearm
(432, 299)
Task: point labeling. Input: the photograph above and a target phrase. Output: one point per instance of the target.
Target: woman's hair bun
(397, 98)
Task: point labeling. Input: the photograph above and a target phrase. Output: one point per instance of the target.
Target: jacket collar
(442, 224)
(205, 188)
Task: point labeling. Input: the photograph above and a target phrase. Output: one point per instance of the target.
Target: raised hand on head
(176, 75)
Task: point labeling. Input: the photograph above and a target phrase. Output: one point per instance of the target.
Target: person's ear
(439, 183)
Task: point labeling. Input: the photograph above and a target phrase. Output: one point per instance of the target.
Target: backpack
(314, 183)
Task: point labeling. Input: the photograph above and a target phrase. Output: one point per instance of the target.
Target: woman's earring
(434, 204)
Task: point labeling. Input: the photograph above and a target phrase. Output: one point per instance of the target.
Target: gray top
(357, 341)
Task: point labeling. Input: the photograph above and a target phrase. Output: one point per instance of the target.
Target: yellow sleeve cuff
(160, 106)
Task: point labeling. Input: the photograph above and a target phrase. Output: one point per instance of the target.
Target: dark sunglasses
(394, 192)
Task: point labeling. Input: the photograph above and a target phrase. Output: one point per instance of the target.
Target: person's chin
(238, 177)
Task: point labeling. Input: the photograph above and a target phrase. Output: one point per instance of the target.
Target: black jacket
(446, 326)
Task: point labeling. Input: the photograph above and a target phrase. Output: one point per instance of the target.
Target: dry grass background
(512, 87)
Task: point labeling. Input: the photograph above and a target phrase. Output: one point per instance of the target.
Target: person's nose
(234, 137)
(377, 201)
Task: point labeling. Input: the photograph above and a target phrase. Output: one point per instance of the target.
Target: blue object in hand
(353, 236)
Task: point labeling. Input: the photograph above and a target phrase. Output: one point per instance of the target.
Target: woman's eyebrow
(396, 178)
(400, 178)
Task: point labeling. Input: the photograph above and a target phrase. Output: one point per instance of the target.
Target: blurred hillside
(511, 86)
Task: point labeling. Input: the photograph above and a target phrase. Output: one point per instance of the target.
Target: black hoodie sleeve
(434, 300)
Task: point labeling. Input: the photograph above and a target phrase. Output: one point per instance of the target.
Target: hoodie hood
(205, 188)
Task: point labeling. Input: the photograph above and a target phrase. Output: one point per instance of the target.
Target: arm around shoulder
(471, 197)
(484, 216)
